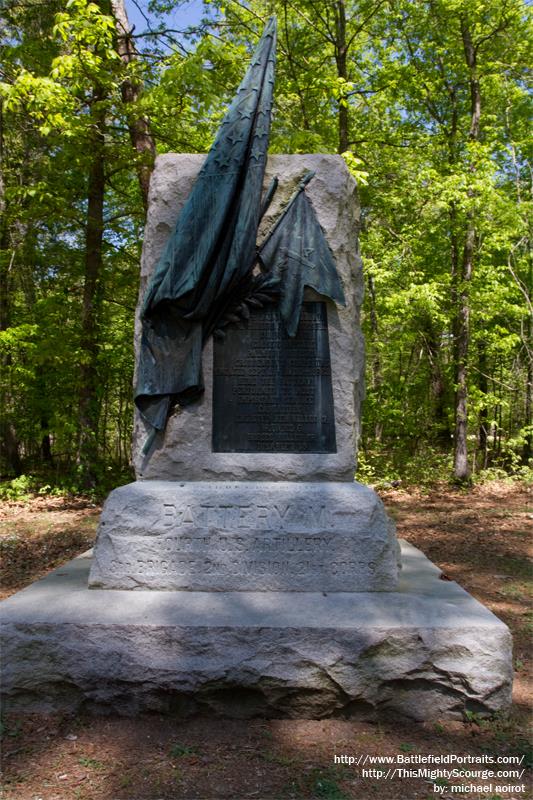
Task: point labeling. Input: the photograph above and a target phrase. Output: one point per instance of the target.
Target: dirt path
(482, 540)
(41, 534)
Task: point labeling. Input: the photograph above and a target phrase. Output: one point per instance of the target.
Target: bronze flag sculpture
(212, 248)
(296, 254)
(205, 278)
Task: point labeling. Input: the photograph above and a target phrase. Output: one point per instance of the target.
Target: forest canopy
(428, 104)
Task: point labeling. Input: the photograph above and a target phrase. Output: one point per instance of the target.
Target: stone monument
(252, 487)
(245, 571)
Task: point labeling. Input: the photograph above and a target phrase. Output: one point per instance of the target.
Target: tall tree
(93, 265)
(138, 124)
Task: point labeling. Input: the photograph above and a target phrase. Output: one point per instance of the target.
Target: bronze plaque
(272, 393)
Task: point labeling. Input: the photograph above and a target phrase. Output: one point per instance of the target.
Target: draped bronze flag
(211, 251)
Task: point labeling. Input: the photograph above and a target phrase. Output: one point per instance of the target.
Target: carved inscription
(274, 541)
(195, 567)
(271, 392)
(231, 517)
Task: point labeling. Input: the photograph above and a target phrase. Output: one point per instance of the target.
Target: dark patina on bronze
(272, 392)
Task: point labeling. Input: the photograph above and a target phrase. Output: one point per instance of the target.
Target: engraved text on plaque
(271, 392)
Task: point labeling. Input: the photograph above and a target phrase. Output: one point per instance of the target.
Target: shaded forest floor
(481, 539)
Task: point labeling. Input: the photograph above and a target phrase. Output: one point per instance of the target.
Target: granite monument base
(425, 651)
(245, 536)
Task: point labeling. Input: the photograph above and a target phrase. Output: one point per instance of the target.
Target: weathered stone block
(245, 536)
(185, 450)
(426, 651)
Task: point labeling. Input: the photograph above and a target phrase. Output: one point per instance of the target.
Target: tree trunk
(4, 236)
(375, 362)
(88, 397)
(527, 451)
(461, 468)
(42, 398)
(342, 71)
(46, 444)
(9, 445)
(483, 386)
(442, 433)
(139, 128)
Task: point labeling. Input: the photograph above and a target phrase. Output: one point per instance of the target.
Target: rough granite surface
(426, 651)
(184, 452)
(245, 536)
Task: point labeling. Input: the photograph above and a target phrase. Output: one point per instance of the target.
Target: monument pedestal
(245, 536)
(425, 651)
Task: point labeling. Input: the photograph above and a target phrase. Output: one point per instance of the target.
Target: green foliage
(327, 789)
(92, 763)
(61, 482)
(406, 747)
(20, 488)
(384, 466)
(398, 107)
(179, 750)
(56, 56)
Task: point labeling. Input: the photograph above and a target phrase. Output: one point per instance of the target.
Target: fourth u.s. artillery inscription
(245, 535)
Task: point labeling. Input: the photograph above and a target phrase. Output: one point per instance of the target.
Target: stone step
(425, 651)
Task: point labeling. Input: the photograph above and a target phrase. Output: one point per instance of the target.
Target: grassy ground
(481, 539)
